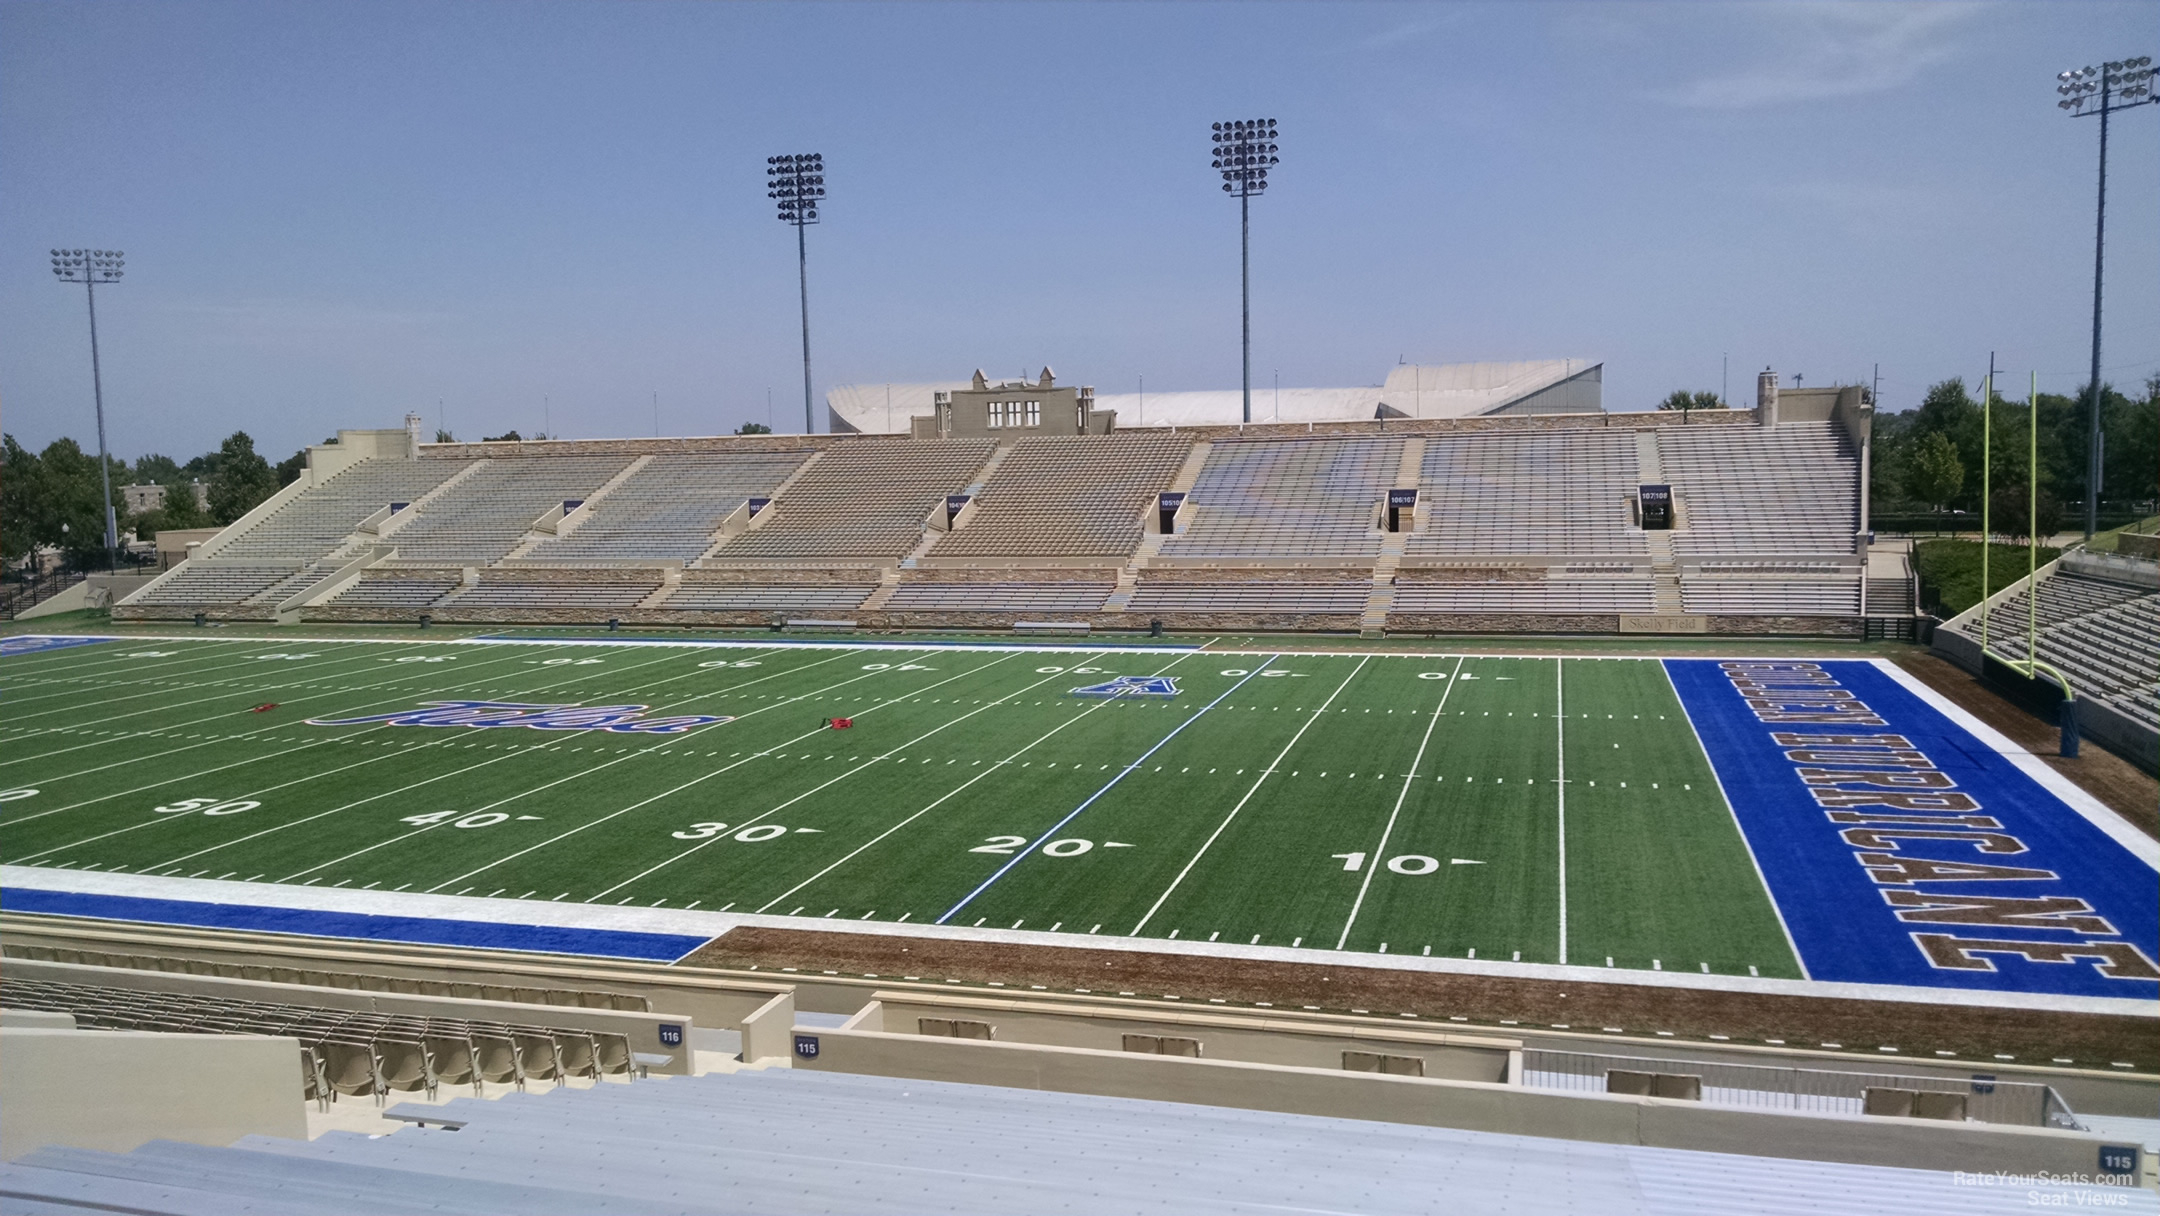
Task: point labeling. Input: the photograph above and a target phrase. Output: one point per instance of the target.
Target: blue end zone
(539, 939)
(1902, 850)
(35, 643)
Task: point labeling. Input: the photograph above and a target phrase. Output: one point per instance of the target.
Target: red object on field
(265, 707)
(842, 723)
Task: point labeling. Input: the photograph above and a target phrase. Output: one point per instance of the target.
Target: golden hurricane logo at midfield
(622, 719)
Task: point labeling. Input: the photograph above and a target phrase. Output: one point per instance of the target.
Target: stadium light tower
(797, 183)
(2116, 85)
(1244, 151)
(91, 267)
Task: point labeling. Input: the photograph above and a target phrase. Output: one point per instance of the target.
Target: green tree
(290, 468)
(1682, 399)
(243, 479)
(1934, 472)
(2011, 514)
(21, 501)
(506, 437)
(753, 428)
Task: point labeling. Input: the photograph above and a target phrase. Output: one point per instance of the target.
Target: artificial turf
(1406, 803)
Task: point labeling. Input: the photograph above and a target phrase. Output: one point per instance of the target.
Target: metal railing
(1812, 1090)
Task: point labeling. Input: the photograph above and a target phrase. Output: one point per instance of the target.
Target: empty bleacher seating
(2104, 636)
(542, 593)
(751, 597)
(863, 500)
(1788, 489)
(1070, 496)
(370, 591)
(214, 582)
(998, 597)
(669, 509)
(319, 521)
(1555, 493)
(1539, 596)
(486, 515)
(1771, 596)
(1268, 597)
(1287, 498)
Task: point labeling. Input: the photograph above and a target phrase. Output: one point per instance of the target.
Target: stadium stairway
(786, 1141)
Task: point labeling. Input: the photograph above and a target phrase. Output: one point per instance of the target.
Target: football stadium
(1455, 782)
(1384, 768)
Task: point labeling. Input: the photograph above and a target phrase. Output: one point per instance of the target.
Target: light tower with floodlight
(2116, 85)
(1244, 152)
(797, 183)
(91, 267)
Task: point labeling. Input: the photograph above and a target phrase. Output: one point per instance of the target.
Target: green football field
(1546, 810)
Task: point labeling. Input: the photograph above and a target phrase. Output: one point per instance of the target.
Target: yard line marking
(1760, 877)
(955, 792)
(552, 743)
(607, 764)
(1380, 850)
(1560, 730)
(1265, 773)
(1107, 787)
(769, 812)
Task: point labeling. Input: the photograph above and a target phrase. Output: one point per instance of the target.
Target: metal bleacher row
(670, 508)
(1258, 498)
(345, 1051)
(1557, 492)
(1284, 526)
(2103, 635)
(1785, 489)
(1072, 496)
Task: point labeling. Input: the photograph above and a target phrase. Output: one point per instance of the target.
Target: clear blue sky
(336, 212)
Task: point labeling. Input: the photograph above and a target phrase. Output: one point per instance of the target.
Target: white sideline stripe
(1378, 855)
(1122, 773)
(700, 923)
(2094, 811)
(994, 767)
(1760, 877)
(1265, 773)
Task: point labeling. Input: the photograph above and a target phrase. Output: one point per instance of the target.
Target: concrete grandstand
(1470, 509)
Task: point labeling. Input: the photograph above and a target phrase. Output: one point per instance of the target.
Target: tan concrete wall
(115, 1090)
(1250, 1039)
(768, 1031)
(1469, 1105)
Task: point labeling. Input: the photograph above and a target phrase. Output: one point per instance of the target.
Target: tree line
(1929, 459)
(52, 498)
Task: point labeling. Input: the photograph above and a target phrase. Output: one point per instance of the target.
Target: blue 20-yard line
(1059, 826)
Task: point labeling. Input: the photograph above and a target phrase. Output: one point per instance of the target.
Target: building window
(1034, 413)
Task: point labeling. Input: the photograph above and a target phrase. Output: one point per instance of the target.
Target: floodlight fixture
(91, 267)
(1243, 152)
(2113, 85)
(796, 184)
